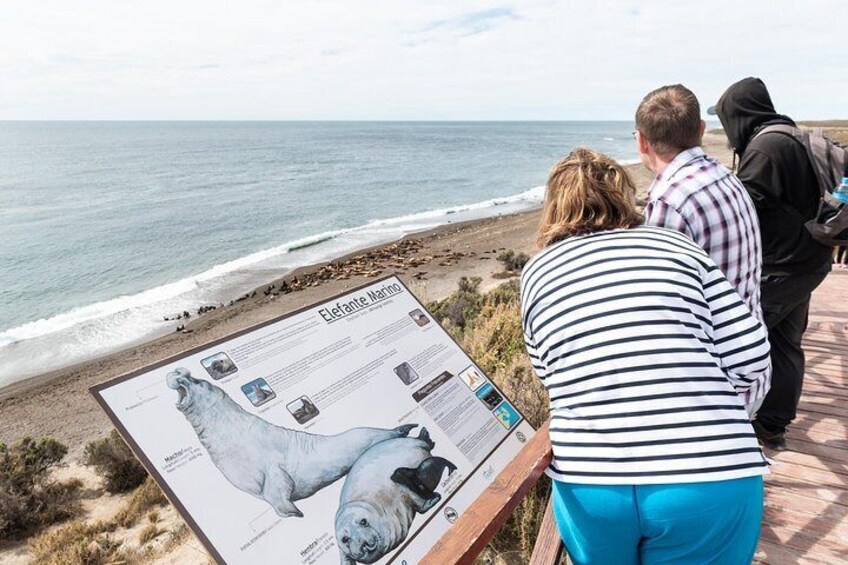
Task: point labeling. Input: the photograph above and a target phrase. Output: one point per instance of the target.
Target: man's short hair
(670, 119)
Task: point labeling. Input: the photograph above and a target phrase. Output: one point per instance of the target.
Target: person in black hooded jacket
(778, 175)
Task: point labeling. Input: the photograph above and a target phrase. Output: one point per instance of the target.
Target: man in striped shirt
(699, 197)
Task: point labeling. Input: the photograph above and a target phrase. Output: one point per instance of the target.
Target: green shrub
(462, 306)
(115, 463)
(507, 293)
(513, 261)
(29, 497)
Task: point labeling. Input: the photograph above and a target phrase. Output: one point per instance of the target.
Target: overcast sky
(419, 60)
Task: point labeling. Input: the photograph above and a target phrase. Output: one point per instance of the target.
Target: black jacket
(778, 175)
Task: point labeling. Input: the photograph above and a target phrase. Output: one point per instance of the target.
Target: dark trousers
(786, 306)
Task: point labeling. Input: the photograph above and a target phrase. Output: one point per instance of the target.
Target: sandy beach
(431, 263)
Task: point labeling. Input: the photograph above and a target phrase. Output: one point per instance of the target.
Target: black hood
(743, 109)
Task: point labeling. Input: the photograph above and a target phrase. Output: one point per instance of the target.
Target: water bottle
(841, 191)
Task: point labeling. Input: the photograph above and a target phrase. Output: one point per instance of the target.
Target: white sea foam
(159, 294)
(95, 311)
(100, 328)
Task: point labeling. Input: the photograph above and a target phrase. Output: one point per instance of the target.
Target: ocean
(108, 227)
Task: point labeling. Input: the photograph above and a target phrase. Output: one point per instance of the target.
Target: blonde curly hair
(587, 192)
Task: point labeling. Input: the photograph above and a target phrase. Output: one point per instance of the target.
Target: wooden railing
(480, 522)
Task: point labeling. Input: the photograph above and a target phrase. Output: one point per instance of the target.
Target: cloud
(382, 59)
(473, 22)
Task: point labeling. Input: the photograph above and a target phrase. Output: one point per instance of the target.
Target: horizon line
(323, 120)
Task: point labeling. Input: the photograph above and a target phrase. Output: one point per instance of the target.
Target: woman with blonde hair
(644, 348)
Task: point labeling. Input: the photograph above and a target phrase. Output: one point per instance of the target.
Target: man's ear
(644, 145)
(702, 128)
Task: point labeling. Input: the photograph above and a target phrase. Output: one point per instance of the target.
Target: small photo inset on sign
(506, 415)
(489, 396)
(302, 409)
(419, 317)
(219, 365)
(406, 373)
(258, 392)
(473, 378)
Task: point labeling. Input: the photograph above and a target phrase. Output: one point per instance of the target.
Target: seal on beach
(270, 462)
(385, 488)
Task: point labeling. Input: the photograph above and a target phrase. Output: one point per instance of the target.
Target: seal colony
(278, 465)
(386, 487)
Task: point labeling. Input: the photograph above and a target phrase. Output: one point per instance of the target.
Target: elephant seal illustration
(270, 462)
(385, 488)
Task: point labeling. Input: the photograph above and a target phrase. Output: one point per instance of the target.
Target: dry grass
(145, 498)
(176, 536)
(78, 544)
(97, 543)
(491, 334)
(150, 532)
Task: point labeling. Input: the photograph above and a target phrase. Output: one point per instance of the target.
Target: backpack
(830, 163)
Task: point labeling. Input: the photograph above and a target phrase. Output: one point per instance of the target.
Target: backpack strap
(803, 138)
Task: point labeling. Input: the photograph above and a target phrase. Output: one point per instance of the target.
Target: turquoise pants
(688, 523)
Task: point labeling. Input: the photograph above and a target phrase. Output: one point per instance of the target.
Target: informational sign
(353, 431)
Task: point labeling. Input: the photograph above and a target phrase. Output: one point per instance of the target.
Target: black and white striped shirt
(644, 348)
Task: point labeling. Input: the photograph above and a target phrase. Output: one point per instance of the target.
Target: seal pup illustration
(276, 464)
(385, 488)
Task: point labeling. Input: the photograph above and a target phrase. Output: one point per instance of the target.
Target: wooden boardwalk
(806, 514)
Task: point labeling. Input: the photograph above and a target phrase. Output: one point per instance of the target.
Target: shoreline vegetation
(465, 272)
